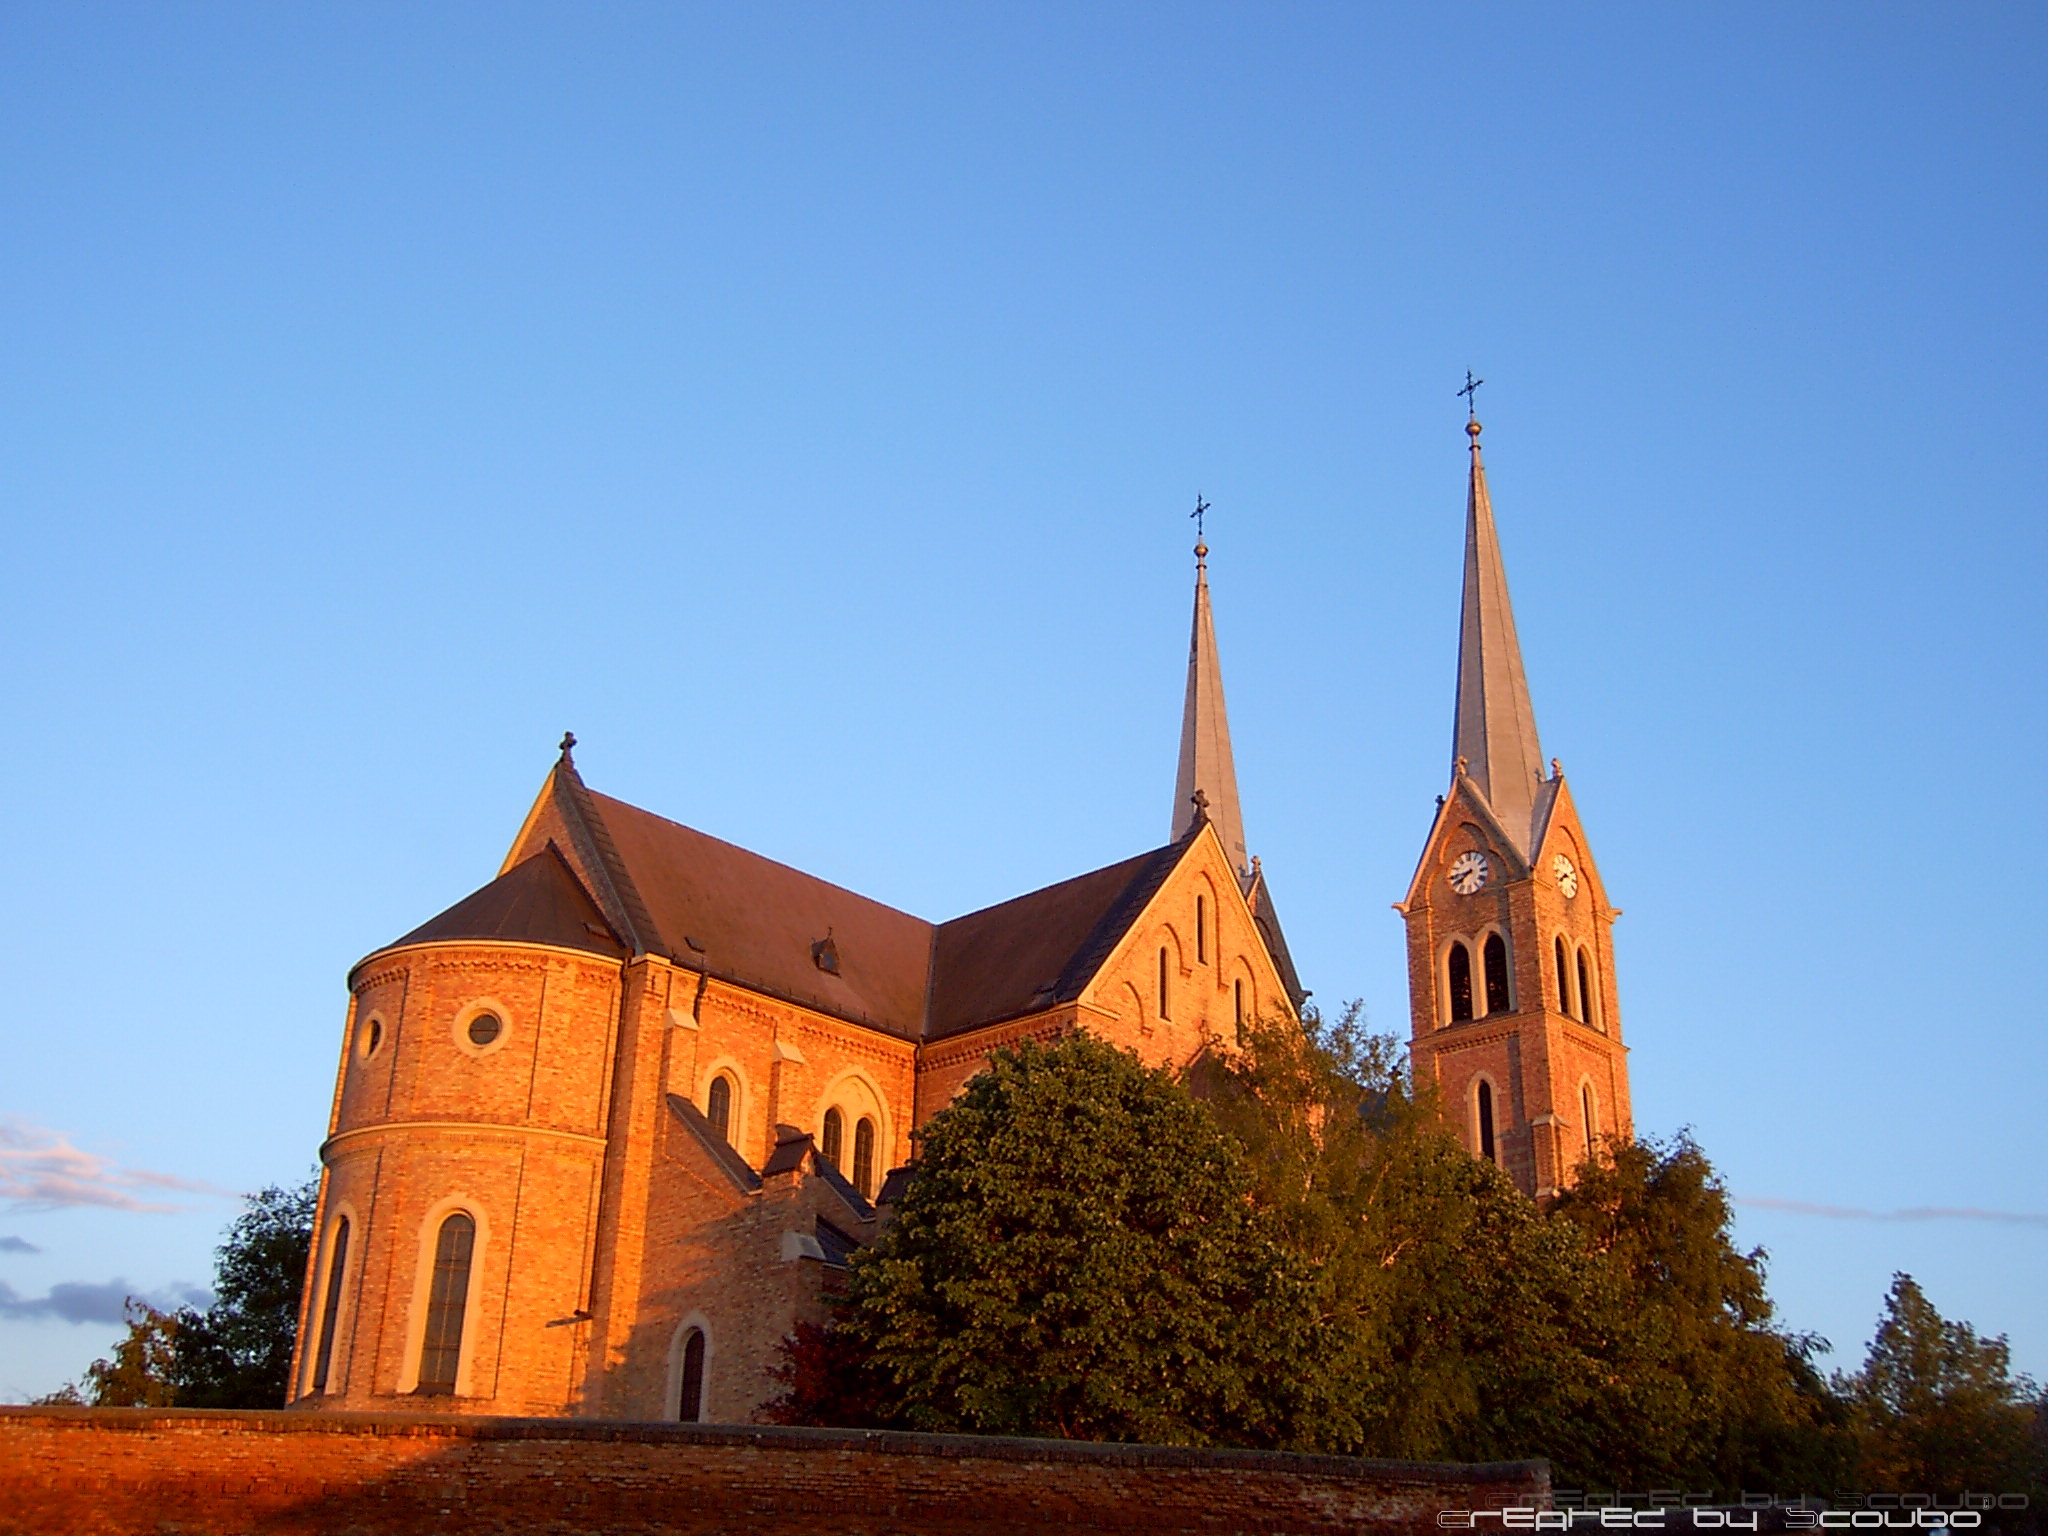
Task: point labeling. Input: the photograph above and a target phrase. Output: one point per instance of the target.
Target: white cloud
(41, 1171)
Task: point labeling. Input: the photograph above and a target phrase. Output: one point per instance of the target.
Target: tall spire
(1495, 736)
(1205, 763)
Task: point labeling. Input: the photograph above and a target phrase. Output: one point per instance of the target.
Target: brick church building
(603, 1127)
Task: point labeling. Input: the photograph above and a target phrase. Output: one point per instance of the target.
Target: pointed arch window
(690, 1401)
(1460, 974)
(1586, 1114)
(1586, 1009)
(1165, 998)
(1201, 930)
(330, 1307)
(1497, 998)
(1564, 980)
(1237, 1001)
(1485, 1097)
(864, 1156)
(447, 1302)
(833, 1139)
(718, 1105)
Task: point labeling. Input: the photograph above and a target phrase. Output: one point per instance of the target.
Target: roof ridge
(642, 935)
(844, 890)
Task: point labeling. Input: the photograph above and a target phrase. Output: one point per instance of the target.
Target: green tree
(238, 1352)
(138, 1375)
(1938, 1408)
(1078, 1257)
(1700, 1388)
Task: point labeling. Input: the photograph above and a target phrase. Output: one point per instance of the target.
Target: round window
(369, 1037)
(484, 1028)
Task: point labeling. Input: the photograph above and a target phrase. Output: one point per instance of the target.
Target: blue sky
(804, 405)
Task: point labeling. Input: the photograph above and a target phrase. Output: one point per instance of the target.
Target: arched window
(1564, 980)
(864, 1156)
(1486, 1121)
(1164, 998)
(1237, 1000)
(1461, 982)
(1201, 930)
(1586, 1114)
(447, 1300)
(1497, 1000)
(330, 1308)
(718, 1105)
(832, 1143)
(690, 1401)
(1586, 1010)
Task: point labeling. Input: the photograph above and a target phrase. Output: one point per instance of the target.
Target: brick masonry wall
(124, 1472)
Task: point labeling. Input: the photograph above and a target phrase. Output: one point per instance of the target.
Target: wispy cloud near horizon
(1911, 1213)
(40, 1170)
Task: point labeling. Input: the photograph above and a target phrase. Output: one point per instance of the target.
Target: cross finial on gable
(568, 742)
(1201, 804)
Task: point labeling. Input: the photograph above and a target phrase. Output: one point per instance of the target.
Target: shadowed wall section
(116, 1471)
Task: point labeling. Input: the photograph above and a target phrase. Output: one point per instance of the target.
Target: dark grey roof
(537, 901)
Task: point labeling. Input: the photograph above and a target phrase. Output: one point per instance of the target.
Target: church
(604, 1128)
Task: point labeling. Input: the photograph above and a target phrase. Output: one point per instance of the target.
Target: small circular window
(484, 1028)
(369, 1037)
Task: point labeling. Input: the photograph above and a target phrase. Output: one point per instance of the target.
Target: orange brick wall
(1536, 1055)
(135, 1472)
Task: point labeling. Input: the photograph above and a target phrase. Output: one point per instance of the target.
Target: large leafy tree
(1079, 1257)
(238, 1352)
(235, 1354)
(1938, 1407)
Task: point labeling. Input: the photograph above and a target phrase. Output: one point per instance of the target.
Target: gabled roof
(748, 919)
(1041, 949)
(716, 908)
(537, 901)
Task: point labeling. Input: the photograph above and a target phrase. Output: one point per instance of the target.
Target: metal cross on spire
(1200, 514)
(1471, 394)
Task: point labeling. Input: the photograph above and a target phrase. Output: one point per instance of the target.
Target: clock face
(1469, 873)
(1567, 877)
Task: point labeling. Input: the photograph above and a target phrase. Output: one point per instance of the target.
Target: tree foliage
(1079, 1256)
(1288, 1249)
(235, 1354)
(1938, 1407)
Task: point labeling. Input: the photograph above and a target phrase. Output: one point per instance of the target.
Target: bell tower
(1515, 1016)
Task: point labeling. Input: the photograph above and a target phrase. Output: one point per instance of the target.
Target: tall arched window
(1497, 1000)
(1165, 999)
(690, 1401)
(1586, 1010)
(330, 1307)
(1201, 930)
(832, 1142)
(1461, 981)
(447, 1300)
(864, 1156)
(1237, 1000)
(1564, 979)
(1486, 1121)
(1586, 1114)
(718, 1105)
